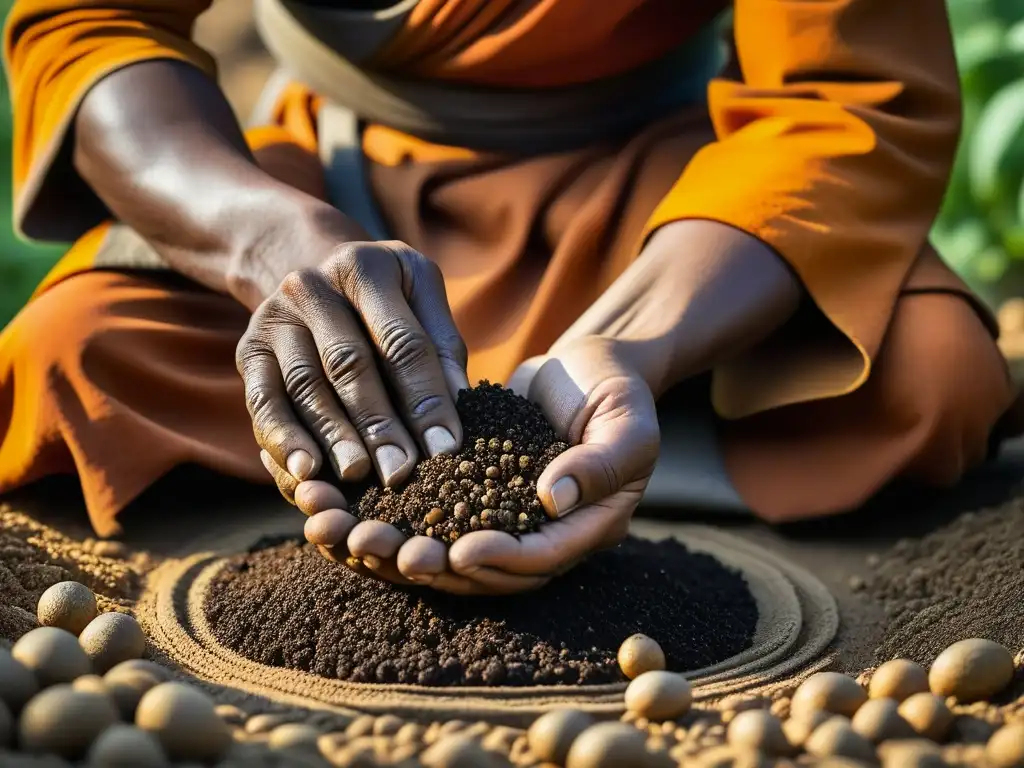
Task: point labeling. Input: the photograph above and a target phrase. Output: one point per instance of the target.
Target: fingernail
(300, 465)
(350, 460)
(439, 440)
(390, 459)
(565, 493)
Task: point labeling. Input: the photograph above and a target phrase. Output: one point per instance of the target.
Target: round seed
(879, 720)
(63, 721)
(898, 679)
(185, 722)
(1005, 749)
(434, 516)
(638, 654)
(552, 734)
(971, 670)
(760, 730)
(928, 715)
(112, 638)
(608, 745)
(67, 605)
(659, 695)
(54, 655)
(835, 738)
(829, 691)
(125, 746)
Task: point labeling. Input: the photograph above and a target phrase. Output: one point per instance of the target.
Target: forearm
(700, 292)
(160, 145)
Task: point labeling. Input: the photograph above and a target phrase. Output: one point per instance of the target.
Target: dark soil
(286, 606)
(963, 580)
(491, 484)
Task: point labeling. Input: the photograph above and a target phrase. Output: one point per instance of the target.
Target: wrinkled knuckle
(298, 284)
(374, 425)
(259, 402)
(405, 348)
(424, 405)
(301, 381)
(344, 362)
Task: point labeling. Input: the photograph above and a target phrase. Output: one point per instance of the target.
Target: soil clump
(286, 606)
(963, 580)
(490, 484)
(34, 557)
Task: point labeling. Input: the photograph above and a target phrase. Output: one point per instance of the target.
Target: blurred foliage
(980, 230)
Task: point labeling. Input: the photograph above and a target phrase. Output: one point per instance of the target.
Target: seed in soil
(112, 638)
(54, 655)
(607, 744)
(639, 654)
(63, 721)
(659, 695)
(489, 484)
(67, 605)
(285, 606)
(123, 745)
(552, 734)
(760, 730)
(879, 720)
(1006, 747)
(184, 721)
(928, 715)
(835, 738)
(971, 670)
(898, 679)
(829, 691)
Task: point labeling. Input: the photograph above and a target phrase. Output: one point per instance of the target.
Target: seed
(830, 691)
(54, 655)
(525, 462)
(185, 722)
(474, 523)
(835, 738)
(607, 744)
(659, 695)
(140, 665)
(457, 751)
(466, 467)
(928, 715)
(760, 730)
(1005, 749)
(798, 729)
(461, 510)
(124, 746)
(910, 753)
(17, 683)
(229, 713)
(112, 638)
(429, 533)
(638, 654)
(67, 605)
(506, 446)
(485, 516)
(971, 670)
(551, 735)
(898, 679)
(298, 736)
(494, 444)
(434, 516)
(879, 720)
(127, 690)
(65, 722)
(523, 517)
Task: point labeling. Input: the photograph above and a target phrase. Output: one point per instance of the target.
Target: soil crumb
(490, 484)
(963, 580)
(286, 606)
(34, 557)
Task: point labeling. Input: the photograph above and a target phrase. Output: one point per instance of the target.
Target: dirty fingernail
(390, 459)
(439, 440)
(350, 460)
(300, 465)
(565, 493)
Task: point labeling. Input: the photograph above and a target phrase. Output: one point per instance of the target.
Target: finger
(349, 365)
(554, 548)
(522, 377)
(425, 561)
(286, 484)
(376, 544)
(276, 427)
(314, 401)
(429, 302)
(315, 496)
(329, 528)
(376, 278)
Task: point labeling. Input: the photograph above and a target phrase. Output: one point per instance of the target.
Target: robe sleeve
(834, 150)
(54, 52)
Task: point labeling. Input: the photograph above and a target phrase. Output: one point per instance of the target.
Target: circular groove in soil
(798, 619)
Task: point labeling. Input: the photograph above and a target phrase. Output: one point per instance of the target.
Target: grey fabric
(307, 42)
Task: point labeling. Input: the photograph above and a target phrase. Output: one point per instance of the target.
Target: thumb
(613, 426)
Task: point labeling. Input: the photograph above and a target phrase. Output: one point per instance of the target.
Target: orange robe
(833, 147)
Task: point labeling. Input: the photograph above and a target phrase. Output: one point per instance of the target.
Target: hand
(603, 408)
(318, 361)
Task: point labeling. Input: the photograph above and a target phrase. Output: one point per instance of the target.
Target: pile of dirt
(34, 557)
(963, 580)
(286, 606)
(491, 484)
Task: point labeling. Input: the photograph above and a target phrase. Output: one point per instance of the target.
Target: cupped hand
(606, 412)
(355, 364)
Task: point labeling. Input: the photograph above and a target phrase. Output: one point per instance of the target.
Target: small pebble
(17, 683)
(638, 654)
(387, 725)
(971, 670)
(127, 690)
(898, 679)
(879, 720)
(608, 745)
(268, 721)
(53, 655)
(410, 733)
(67, 605)
(829, 691)
(65, 722)
(434, 516)
(297, 736)
(457, 751)
(659, 695)
(836, 738)
(910, 753)
(361, 726)
(928, 715)
(112, 638)
(230, 714)
(6, 726)
(552, 734)
(141, 665)
(759, 730)
(185, 722)
(799, 729)
(125, 746)
(1006, 747)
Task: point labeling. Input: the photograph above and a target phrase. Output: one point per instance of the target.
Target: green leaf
(996, 148)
